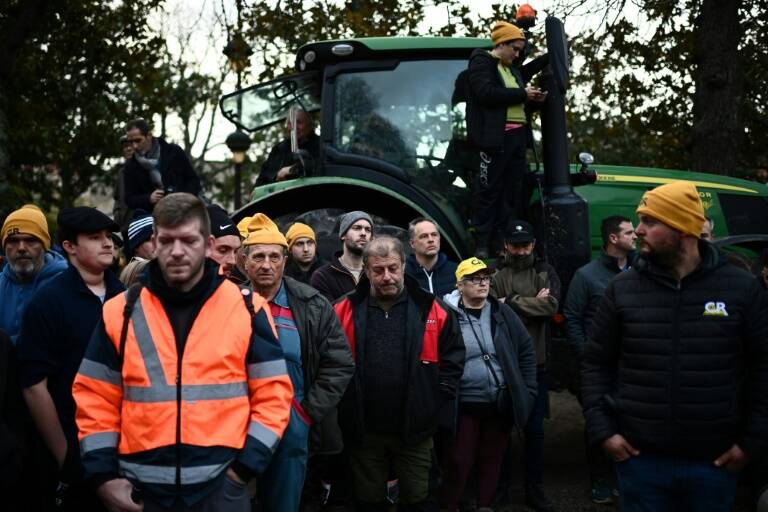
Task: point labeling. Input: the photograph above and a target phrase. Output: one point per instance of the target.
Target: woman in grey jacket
(496, 390)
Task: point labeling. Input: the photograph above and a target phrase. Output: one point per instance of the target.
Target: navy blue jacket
(440, 281)
(584, 295)
(55, 331)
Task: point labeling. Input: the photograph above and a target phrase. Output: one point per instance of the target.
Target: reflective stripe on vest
(149, 474)
(159, 390)
(264, 435)
(98, 441)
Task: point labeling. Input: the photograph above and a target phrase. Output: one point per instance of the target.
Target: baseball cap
(519, 232)
(471, 266)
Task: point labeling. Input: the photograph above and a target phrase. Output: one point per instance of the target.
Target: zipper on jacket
(675, 361)
(178, 424)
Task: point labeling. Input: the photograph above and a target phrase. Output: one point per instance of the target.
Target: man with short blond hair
(183, 395)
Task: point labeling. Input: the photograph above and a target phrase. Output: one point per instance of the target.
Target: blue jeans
(280, 485)
(662, 483)
(533, 445)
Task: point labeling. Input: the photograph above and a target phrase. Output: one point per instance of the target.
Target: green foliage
(632, 102)
(75, 71)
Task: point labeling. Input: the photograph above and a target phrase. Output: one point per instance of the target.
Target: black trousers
(498, 191)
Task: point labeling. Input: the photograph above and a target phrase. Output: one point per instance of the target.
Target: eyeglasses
(479, 279)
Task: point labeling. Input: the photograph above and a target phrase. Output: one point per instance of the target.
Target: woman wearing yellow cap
(497, 387)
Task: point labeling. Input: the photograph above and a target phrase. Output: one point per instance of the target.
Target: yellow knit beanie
(677, 205)
(242, 226)
(27, 220)
(503, 32)
(261, 230)
(299, 230)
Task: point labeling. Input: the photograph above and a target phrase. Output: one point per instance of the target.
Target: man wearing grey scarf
(157, 168)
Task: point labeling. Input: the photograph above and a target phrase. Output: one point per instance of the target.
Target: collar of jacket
(521, 264)
(412, 290)
(112, 284)
(336, 265)
(412, 263)
(153, 279)
(298, 289)
(612, 263)
(316, 263)
(710, 260)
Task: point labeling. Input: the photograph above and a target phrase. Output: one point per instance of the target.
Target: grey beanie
(346, 220)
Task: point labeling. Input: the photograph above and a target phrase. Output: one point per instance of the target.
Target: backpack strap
(131, 296)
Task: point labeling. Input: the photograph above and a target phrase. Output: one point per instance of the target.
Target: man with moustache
(54, 335)
(341, 275)
(675, 373)
(409, 357)
(30, 264)
(318, 359)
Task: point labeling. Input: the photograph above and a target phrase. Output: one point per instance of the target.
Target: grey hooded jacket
(511, 351)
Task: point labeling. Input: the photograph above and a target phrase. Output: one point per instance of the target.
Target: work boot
(601, 492)
(481, 245)
(537, 499)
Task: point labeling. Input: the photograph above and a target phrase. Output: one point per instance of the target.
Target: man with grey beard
(31, 264)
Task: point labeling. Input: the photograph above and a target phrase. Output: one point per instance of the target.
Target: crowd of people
(230, 367)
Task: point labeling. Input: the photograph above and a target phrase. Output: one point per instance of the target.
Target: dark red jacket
(436, 361)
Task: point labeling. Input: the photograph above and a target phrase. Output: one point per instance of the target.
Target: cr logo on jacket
(715, 309)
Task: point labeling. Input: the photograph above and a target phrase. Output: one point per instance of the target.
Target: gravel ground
(566, 478)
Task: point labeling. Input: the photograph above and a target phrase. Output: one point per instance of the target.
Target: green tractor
(394, 143)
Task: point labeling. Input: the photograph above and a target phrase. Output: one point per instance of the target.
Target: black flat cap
(84, 219)
(221, 223)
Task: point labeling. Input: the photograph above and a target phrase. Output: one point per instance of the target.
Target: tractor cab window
(266, 104)
(411, 116)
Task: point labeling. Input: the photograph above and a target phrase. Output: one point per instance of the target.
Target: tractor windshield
(411, 116)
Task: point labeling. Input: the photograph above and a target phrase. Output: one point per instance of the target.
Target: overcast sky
(202, 19)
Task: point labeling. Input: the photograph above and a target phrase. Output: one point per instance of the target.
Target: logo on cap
(14, 231)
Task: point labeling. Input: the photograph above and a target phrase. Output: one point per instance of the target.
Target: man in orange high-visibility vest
(181, 404)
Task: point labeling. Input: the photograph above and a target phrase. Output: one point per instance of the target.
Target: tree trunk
(717, 103)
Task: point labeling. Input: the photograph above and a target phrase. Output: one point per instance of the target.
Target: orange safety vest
(209, 391)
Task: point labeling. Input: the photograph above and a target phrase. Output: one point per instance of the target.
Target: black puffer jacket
(680, 368)
(488, 99)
